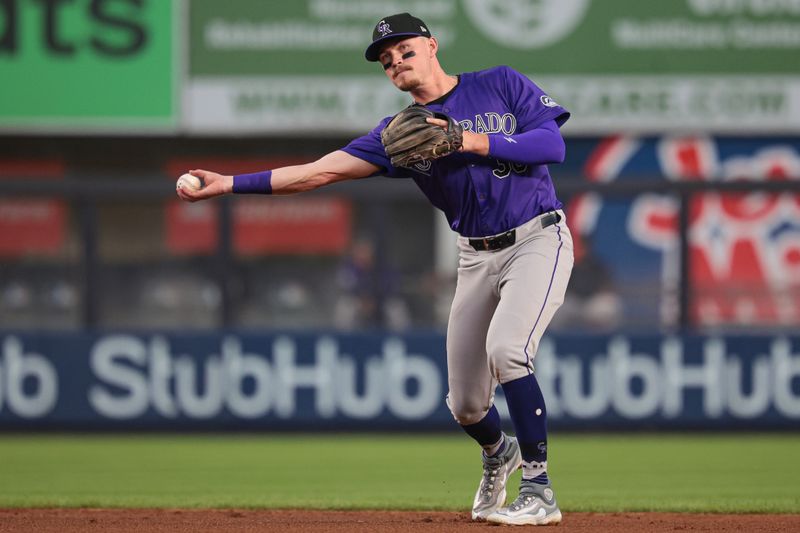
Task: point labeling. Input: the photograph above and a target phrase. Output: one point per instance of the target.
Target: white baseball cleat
(535, 506)
(491, 493)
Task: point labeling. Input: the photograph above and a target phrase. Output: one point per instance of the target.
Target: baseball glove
(408, 139)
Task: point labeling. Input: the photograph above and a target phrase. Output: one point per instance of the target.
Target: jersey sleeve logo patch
(384, 28)
(547, 101)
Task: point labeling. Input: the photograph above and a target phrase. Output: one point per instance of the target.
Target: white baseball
(187, 181)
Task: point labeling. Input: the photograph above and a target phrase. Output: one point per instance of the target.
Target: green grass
(690, 473)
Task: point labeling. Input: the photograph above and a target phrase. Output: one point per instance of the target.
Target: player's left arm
(540, 146)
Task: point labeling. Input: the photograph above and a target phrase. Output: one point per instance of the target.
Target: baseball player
(515, 251)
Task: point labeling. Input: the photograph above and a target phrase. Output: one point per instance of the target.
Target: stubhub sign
(135, 377)
(372, 381)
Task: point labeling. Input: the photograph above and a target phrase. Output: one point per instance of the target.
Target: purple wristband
(255, 183)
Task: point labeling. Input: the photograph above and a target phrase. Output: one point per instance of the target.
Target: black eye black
(412, 53)
(387, 65)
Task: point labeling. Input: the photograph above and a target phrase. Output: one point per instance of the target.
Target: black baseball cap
(392, 27)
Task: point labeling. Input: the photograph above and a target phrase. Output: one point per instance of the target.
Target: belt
(504, 240)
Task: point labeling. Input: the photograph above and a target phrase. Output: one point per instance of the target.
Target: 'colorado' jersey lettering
(481, 196)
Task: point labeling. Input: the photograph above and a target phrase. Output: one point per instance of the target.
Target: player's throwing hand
(214, 184)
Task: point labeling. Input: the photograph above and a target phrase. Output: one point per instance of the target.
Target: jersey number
(505, 168)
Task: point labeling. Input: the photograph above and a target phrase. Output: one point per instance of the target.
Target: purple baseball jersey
(481, 196)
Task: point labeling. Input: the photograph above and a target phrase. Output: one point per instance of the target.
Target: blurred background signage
(698, 64)
(88, 64)
(269, 67)
(322, 381)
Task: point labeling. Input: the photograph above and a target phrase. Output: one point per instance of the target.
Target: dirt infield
(180, 520)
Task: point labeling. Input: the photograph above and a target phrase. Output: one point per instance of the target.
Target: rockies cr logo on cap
(399, 25)
(383, 28)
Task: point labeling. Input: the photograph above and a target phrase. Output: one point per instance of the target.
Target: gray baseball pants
(503, 303)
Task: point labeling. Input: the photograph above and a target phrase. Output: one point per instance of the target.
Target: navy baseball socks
(536, 503)
(487, 432)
